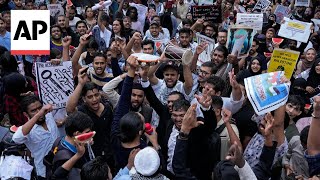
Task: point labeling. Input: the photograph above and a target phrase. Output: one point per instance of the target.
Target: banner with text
(304, 3)
(252, 20)
(55, 83)
(208, 13)
(296, 30)
(262, 5)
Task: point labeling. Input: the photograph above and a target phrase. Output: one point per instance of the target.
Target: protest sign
(206, 2)
(261, 5)
(266, 92)
(304, 3)
(296, 30)
(208, 13)
(55, 83)
(240, 40)
(283, 60)
(281, 12)
(55, 10)
(205, 55)
(316, 24)
(252, 20)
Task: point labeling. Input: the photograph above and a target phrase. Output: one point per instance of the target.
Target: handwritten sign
(262, 5)
(283, 60)
(55, 83)
(282, 12)
(266, 92)
(208, 13)
(304, 3)
(252, 20)
(296, 30)
(55, 9)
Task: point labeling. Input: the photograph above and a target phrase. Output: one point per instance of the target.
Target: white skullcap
(147, 161)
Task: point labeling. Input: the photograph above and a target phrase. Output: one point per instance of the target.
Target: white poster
(316, 24)
(304, 3)
(205, 55)
(55, 9)
(55, 83)
(252, 20)
(296, 30)
(261, 5)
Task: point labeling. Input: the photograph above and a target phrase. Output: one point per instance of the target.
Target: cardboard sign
(296, 30)
(55, 9)
(240, 40)
(266, 92)
(252, 20)
(208, 13)
(283, 60)
(304, 3)
(282, 12)
(262, 5)
(55, 83)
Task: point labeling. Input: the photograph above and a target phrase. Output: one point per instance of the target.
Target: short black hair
(211, 65)
(217, 102)
(181, 104)
(89, 86)
(223, 30)
(27, 100)
(221, 49)
(77, 121)
(130, 125)
(181, 96)
(218, 83)
(96, 169)
(81, 21)
(93, 44)
(54, 52)
(99, 54)
(146, 42)
(185, 30)
(297, 100)
(186, 21)
(55, 26)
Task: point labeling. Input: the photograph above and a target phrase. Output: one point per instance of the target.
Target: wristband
(315, 117)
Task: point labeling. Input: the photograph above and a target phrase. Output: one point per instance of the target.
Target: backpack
(57, 153)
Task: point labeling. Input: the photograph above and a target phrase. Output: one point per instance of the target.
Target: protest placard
(261, 5)
(283, 60)
(55, 83)
(208, 13)
(205, 55)
(281, 12)
(316, 24)
(296, 30)
(252, 20)
(55, 10)
(266, 92)
(205, 2)
(240, 40)
(304, 3)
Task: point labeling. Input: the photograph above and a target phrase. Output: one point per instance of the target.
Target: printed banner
(240, 40)
(55, 9)
(296, 30)
(261, 5)
(55, 83)
(252, 20)
(304, 3)
(283, 60)
(266, 92)
(208, 13)
(205, 55)
(281, 12)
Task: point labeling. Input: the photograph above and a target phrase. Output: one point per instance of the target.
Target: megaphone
(176, 53)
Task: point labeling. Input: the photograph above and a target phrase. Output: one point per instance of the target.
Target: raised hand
(266, 130)
(235, 155)
(201, 47)
(84, 39)
(190, 120)
(226, 114)
(66, 41)
(232, 79)
(82, 76)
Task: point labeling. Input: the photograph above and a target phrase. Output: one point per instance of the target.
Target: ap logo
(30, 32)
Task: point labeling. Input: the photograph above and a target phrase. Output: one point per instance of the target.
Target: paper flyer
(266, 92)
(283, 60)
(240, 40)
(296, 30)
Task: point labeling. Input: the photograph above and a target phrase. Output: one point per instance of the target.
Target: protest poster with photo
(266, 92)
(304, 3)
(283, 60)
(55, 83)
(205, 55)
(282, 12)
(296, 30)
(55, 9)
(261, 5)
(207, 12)
(252, 20)
(316, 24)
(240, 40)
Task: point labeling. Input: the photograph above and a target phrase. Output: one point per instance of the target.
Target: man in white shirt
(39, 133)
(72, 19)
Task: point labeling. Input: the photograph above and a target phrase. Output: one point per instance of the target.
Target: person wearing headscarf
(307, 62)
(313, 81)
(254, 68)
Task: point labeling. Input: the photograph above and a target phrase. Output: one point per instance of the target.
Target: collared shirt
(5, 41)
(171, 147)
(39, 141)
(254, 149)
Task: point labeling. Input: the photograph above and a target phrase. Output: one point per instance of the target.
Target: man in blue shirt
(4, 35)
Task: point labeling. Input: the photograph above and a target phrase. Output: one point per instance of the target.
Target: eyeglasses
(203, 72)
